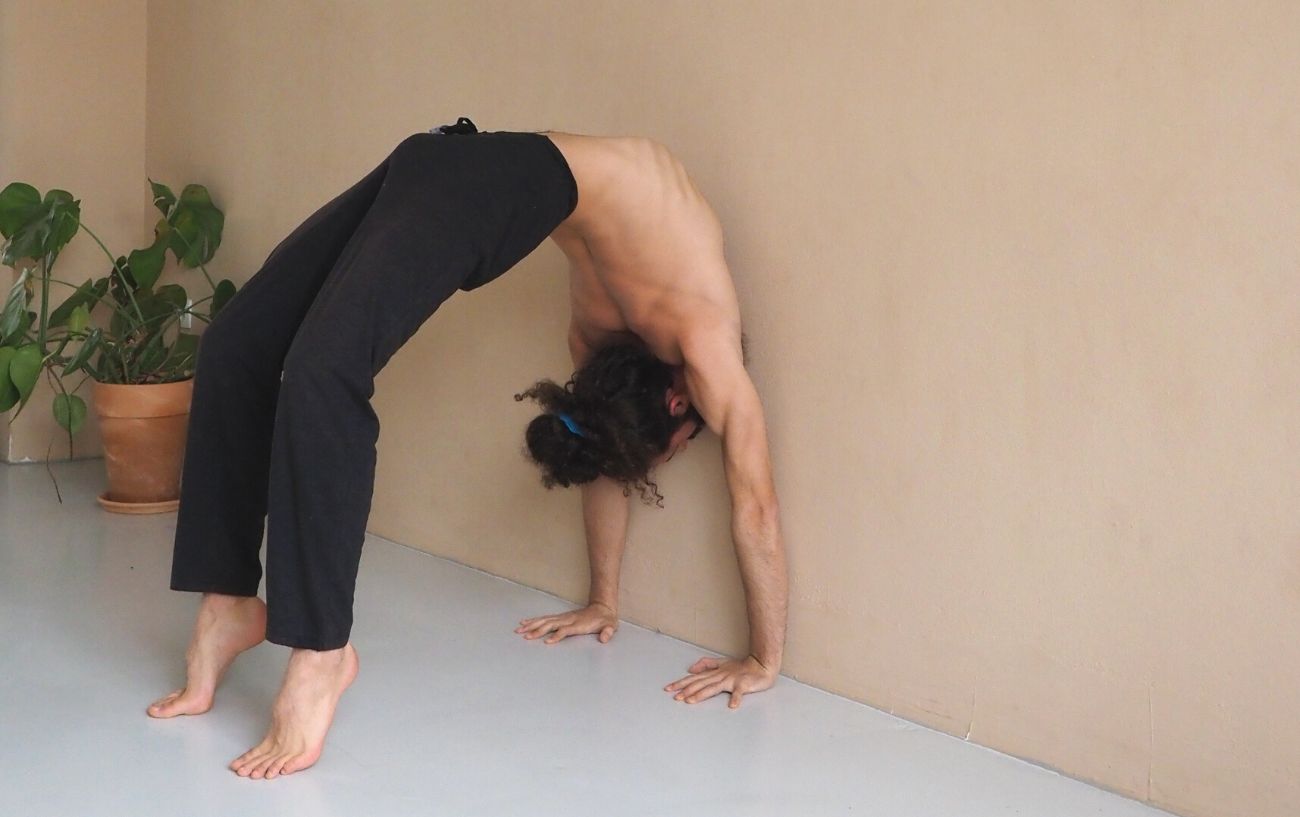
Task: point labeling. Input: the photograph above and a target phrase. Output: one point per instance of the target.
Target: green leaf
(197, 227)
(88, 347)
(8, 391)
(175, 295)
(25, 368)
(28, 242)
(121, 282)
(69, 411)
(221, 294)
(80, 318)
(16, 338)
(63, 312)
(196, 195)
(162, 196)
(38, 231)
(154, 308)
(19, 204)
(147, 265)
(65, 213)
(15, 305)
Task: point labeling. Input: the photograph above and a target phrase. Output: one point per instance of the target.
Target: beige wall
(1021, 285)
(72, 117)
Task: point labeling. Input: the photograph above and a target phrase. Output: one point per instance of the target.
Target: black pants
(281, 427)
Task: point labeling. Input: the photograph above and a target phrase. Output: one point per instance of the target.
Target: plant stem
(58, 381)
(113, 261)
(46, 263)
(201, 267)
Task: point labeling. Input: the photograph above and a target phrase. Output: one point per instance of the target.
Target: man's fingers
(735, 699)
(560, 634)
(696, 685)
(606, 634)
(704, 665)
(706, 691)
(536, 630)
(538, 621)
(535, 619)
(683, 681)
(542, 627)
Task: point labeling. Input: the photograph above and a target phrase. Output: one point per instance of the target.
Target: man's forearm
(605, 517)
(760, 552)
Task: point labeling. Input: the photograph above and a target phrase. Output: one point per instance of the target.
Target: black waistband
(463, 125)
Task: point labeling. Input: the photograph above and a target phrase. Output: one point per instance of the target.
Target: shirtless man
(281, 364)
(646, 265)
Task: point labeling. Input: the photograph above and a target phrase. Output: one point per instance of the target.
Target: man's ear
(675, 401)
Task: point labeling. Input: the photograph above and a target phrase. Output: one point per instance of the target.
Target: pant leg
(403, 262)
(454, 212)
(224, 477)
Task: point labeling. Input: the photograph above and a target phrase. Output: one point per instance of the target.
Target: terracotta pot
(143, 428)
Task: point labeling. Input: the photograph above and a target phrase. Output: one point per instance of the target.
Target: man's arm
(605, 517)
(725, 397)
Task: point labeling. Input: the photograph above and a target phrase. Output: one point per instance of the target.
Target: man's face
(677, 443)
(679, 403)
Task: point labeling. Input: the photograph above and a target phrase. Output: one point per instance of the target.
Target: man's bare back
(645, 249)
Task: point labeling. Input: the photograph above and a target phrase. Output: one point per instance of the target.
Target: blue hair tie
(568, 421)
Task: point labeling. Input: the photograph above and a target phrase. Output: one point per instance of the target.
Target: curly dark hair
(617, 401)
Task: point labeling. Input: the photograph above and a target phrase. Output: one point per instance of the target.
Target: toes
(259, 771)
(277, 766)
(247, 767)
(182, 702)
(299, 762)
(246, 762)
(159, 707)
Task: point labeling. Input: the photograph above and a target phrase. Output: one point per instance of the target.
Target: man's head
(620, 415)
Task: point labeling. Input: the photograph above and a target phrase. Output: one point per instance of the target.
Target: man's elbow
(757, 507)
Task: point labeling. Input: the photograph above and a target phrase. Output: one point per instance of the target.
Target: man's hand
(709, 676)
(594, 618)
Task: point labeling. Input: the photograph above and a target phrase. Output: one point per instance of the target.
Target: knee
(232, 351)
(222, 346)
(312, 367)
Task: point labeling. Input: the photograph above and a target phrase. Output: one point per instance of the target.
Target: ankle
(320, 656)
(222, 601)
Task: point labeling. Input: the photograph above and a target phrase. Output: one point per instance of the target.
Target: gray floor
(452, 713)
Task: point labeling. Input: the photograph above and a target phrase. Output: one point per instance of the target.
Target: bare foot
(313, 683)
(225, 627)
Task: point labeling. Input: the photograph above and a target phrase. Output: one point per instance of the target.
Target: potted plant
(141, 364)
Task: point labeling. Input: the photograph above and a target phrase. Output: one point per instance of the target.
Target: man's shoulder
(711, 331)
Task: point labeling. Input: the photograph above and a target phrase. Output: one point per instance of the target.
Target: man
(281, 426)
